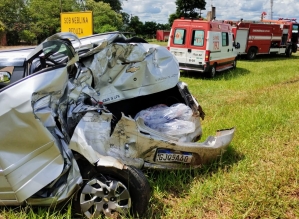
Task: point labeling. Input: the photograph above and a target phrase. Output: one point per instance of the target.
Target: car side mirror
(237, 45)
(5, 76)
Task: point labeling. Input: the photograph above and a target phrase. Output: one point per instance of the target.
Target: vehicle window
(198, 38)
(295, 28)
(57, 52)
(224, 39)
(179, 36)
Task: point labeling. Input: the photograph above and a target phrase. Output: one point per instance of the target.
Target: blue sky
(159, 10)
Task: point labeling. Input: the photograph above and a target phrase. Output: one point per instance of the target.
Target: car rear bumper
(212, 148)
(192, 67)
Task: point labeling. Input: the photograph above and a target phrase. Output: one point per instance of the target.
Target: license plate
(164, 155)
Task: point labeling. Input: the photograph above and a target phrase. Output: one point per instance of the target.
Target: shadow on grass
(171, 185)
(226, 75)
(268, 57)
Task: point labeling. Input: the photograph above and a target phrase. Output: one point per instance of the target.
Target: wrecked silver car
(148, 118)
(154, 120)
(46, 95)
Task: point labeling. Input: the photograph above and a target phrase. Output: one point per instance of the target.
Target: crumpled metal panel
(37, 159)
(132, 139)
(62, 192)
(122, 71)
(72, 106)
(92, 132)
(91, 138)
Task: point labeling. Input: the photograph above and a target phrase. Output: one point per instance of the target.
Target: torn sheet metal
(135, 140)
(122, 71)
(91, 138)
(35, 142)
(92, 134)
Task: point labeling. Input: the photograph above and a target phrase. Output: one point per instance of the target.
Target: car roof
(90, 42)
(17, 57)
(14, 57)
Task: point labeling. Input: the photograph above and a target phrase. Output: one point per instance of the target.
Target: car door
(30, 149)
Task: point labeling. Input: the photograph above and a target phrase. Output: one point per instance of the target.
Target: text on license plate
(169, 156)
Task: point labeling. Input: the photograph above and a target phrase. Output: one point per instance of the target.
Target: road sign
(79, 23)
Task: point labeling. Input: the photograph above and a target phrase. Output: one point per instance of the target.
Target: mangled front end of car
(140, 78)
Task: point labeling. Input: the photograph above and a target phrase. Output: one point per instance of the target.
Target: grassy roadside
(258, 176)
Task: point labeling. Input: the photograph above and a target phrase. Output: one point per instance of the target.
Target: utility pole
(271, 9)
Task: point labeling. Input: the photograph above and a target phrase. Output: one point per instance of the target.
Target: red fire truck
(267, 37)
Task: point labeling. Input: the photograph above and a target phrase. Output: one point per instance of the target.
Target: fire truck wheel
(251, 53)
(289, 51)
(212, 72)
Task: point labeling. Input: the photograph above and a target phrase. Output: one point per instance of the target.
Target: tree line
(34, 20)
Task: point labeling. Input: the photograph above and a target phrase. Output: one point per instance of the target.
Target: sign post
(79, 23)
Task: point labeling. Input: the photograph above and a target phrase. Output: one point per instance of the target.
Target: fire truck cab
(203, 46)
(266, 37)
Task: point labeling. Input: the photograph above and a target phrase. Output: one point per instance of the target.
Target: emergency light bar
(288, 19)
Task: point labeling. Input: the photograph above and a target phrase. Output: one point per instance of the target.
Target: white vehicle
(129, 78)
(38, 164)
(203, 46)
(115, 98)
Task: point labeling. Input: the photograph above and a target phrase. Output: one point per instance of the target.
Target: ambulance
(203, 46)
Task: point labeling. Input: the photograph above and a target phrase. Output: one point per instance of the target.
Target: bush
(27, 36)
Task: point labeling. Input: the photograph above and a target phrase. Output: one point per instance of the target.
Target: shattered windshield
(57, 47)
(58, 51)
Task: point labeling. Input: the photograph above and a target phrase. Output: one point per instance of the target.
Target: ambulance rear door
(178, 45)
(197, 45)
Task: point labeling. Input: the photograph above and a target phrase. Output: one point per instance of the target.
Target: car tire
(251, 54)
(111, 190)
(289, 51)
(212, 72)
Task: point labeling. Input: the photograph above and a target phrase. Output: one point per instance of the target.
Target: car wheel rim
(104, 197)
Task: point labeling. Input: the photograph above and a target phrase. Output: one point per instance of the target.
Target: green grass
(258, 176)
(154, 41)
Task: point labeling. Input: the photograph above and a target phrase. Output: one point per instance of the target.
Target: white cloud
(159, 10)
(150, 10)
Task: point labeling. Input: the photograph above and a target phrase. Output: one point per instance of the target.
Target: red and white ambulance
(203, 46)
